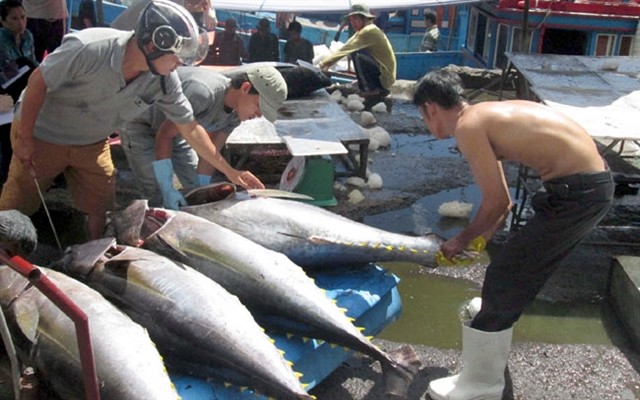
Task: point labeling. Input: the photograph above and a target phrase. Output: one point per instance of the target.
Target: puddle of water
(431, 309)
(431, 303)
(422, 217)
(422, 145)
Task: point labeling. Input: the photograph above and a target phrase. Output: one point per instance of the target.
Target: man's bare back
(530, 133)
(578, 192)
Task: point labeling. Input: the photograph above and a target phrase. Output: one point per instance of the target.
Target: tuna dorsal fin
(27, 317)
(126, 224)
(80, 259)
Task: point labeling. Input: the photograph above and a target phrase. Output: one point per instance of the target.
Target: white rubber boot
(470, 308)
(484, 358)
(474, 306)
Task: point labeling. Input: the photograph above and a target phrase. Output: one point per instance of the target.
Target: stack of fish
(204, 293)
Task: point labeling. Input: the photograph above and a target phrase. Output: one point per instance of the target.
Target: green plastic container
(317, 181)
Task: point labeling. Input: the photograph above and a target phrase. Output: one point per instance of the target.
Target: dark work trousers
(47, 35)
(367, 71)
(564, 214)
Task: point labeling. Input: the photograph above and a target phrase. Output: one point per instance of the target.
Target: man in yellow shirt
(371, 54)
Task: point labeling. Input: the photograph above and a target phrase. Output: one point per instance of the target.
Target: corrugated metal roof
(600, 93)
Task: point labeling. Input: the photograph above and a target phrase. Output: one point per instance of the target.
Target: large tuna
(188, 315)
(309, 235)
(128, 364)
(264, 280)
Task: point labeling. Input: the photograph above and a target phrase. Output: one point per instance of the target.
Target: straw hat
(360, 9)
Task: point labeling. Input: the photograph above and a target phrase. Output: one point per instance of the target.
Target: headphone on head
(166, 39)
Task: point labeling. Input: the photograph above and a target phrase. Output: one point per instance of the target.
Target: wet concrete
(414, 167)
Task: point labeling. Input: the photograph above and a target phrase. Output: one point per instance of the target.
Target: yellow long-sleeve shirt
(375, 41)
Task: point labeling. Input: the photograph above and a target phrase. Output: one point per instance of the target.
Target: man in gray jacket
(97, 80)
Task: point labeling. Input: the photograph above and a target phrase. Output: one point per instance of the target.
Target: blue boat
(578, 28)
(474, 33)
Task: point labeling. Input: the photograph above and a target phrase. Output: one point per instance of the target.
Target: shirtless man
(578, 192)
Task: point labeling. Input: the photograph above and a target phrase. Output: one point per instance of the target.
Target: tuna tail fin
(399, 374)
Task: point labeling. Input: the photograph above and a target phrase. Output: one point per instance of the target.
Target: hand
(23, 149)
(452, 247)
(210, 21)
(247, 180)
(6, 103)
(323, 67)
(172, 199)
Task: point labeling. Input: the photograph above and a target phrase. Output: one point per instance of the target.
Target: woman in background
(16, 51)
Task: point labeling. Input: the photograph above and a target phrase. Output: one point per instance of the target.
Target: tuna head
(199, 327)
(46, 337)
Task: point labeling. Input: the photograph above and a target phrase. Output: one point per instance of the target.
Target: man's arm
(199, 140)
(164, 139)
(489, 176)
(31, 104)
(356, 42)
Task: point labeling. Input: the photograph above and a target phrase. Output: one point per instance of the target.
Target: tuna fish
(264, 280)
(17, 234)
(310, 236)
(189, 316)
(302, 79)
(128, 364)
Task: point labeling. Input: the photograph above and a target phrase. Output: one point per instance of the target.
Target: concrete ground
(536, 370)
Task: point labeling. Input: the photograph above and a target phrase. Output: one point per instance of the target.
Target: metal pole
(99, 13)
(525, 26)
(64, 303)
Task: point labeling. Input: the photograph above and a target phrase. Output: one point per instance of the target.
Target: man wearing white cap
(152, 144)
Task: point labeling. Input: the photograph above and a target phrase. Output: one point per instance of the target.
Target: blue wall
(413, 66)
